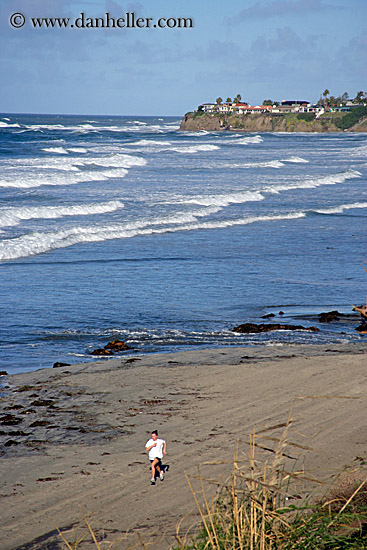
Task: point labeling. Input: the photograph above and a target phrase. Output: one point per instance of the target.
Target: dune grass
(259, 506)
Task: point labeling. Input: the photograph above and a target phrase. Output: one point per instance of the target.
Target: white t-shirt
(157, 451)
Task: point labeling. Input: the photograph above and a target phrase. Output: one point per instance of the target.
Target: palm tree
(218, 101)
(228, 100)
(238, 98)
(325, 94)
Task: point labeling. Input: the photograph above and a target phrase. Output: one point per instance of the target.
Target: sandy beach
(72, 438)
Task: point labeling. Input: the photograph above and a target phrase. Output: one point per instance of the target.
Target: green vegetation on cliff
(351, 118)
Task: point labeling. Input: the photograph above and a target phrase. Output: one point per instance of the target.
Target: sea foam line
(340, 209)
(55, 150)
(312, 183)
(12, 216)
(183, 149)
(40, 242)
(222, 199)
(67, 171)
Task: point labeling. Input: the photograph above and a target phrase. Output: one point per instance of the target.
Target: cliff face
(260, 123)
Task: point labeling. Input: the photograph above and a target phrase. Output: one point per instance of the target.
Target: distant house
(312, 109)
(290, 102)
(224, 108)
(249, 109)
(291, 106)
(207, 107)
(286, 106)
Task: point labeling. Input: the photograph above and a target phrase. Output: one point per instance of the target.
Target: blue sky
(262, 49)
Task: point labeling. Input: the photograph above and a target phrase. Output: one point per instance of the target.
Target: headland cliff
(267, 122)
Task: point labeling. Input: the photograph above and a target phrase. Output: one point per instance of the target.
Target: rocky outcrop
(253, 328)
(116, 345)
(330, 316)
(111, 347)
(101, 351)
(194, 122)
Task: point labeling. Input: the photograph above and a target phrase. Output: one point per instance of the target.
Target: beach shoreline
(76, 445)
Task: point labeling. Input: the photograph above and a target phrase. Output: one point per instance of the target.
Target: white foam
(249, 140)
(28, 181)
(149, 143)
(295, 159)
(244, 221)
(57, 150)
(260, 164)
(81, 150)
(6, 125)
(119, 160)
(25, 174)
(360, 151)
(40, 242)
(12, 216)
(312, 183)
(340, 209)
(183, 149)
(222, 200)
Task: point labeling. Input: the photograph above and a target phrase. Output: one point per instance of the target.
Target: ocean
(126, 228)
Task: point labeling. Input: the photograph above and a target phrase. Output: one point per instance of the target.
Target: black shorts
(159, 463)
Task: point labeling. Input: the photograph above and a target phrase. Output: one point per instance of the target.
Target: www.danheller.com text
(129, 20)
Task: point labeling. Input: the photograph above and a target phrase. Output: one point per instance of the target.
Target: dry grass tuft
(259, 507)
(247, 511)
(350, 489)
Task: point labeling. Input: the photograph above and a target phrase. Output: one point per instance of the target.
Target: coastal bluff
(195, 122)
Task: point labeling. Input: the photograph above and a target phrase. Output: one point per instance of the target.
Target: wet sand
(72, 438)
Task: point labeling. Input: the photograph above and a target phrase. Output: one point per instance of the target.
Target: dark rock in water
(117, 345)
(10, 420)
(268, 316)
(42, 403)
(3, 373)
(362, 329)
(11, 442)
(25, 388)
(330, 316)
(281, 312)
(39, 423)
(101, 351)
(59, 364)
(253, 328)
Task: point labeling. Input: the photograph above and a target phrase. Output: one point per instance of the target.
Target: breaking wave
(41, 242)
(67, 170)
(312, 183)
(296, 160)
(12, 216)
(247, 140)
(340, 209)
(56, 150)
(193, 148)
(222, 200)
(7, 125)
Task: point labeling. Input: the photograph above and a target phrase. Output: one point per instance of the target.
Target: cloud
(286, 41)
(281, 8)
(350, 61)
